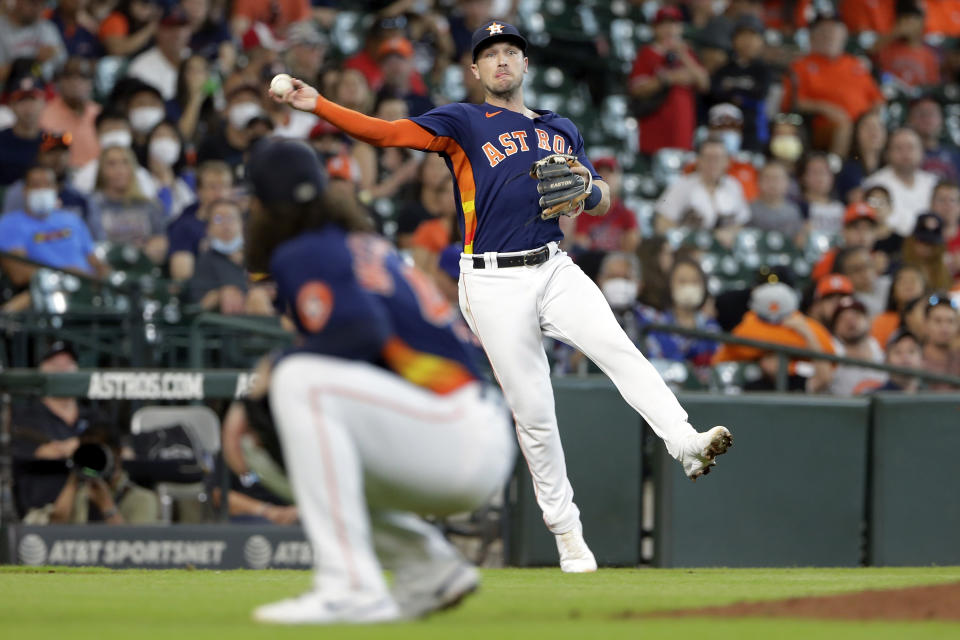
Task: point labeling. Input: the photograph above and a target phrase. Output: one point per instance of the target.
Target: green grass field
(38, 603)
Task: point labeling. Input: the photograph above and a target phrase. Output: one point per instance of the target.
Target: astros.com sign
(210, 546)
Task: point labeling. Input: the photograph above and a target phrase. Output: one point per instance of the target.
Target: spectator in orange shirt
(774, 317)
(834, 86)
(904, 54)
(868, 15)
(75, 111)
(276, 14)
(943, 17)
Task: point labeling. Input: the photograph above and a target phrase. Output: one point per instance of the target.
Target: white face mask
(241, 114)
(227, 246)
(619, 292)
(688, 296)
(786, 147)
(41, 201)
(165, 150)
(143, 119)
(732, 141)
(116, 138)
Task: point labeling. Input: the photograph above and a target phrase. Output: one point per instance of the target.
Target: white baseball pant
(510, 310)
(366, 451)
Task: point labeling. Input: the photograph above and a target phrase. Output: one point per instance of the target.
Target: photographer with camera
(98, 489)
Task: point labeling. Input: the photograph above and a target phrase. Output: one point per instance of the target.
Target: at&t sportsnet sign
(202, 547)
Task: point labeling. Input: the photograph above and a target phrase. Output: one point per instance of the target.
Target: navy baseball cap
(285, 170)
(495, 31)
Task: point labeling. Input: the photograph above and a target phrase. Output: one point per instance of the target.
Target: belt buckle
(528, 258)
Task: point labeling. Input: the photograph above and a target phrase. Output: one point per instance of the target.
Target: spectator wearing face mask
(19, 144)
(113, 130)
(54, 154)
(688, 293)
(231, 141)
(124, 214)
(145, 110)
(75, 111)
(850, 327)
(220, 280)
(45, 233)
(166, 164)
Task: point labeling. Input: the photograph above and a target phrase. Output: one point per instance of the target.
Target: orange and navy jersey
(351, 296)
(489, 151)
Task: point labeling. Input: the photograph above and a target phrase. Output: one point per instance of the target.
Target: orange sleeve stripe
(463, 172)
(407, 133)
(439, 374)
(379, 133)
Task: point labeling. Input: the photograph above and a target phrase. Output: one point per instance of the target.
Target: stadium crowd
(785, 170)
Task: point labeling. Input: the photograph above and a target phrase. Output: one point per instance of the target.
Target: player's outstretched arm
(379, 133)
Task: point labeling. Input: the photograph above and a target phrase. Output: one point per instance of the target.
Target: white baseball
(281, 85)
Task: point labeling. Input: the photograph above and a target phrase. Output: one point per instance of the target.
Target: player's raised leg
(501, 309)
(575, 311)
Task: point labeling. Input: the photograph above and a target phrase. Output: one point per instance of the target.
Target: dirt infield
(939, 602)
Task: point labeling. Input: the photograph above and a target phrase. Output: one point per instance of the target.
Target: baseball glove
(562, 191)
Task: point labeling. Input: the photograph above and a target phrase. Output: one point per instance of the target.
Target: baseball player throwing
(516, 170)
(380, 411)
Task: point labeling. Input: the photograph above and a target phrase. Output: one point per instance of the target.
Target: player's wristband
(593, 199)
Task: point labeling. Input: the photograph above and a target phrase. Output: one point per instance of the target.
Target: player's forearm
(379, 133)
(604, 205)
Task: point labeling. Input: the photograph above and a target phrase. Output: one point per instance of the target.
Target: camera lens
(93, 460)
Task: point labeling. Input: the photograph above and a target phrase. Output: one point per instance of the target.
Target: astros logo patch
(314, 305)
(495, 29)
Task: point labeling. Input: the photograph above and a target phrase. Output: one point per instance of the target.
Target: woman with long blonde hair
(122, 214)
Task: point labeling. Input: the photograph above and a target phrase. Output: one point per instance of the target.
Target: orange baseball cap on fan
(398, 46)
(833, 284)
(859, 211)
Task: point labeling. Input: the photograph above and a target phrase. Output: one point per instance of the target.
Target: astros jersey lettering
(362, 302)
(489, 150)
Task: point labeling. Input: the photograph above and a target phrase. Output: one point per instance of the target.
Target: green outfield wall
(810, 481)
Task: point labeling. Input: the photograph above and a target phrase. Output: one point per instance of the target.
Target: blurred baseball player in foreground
(380, 411)
(515, 285)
